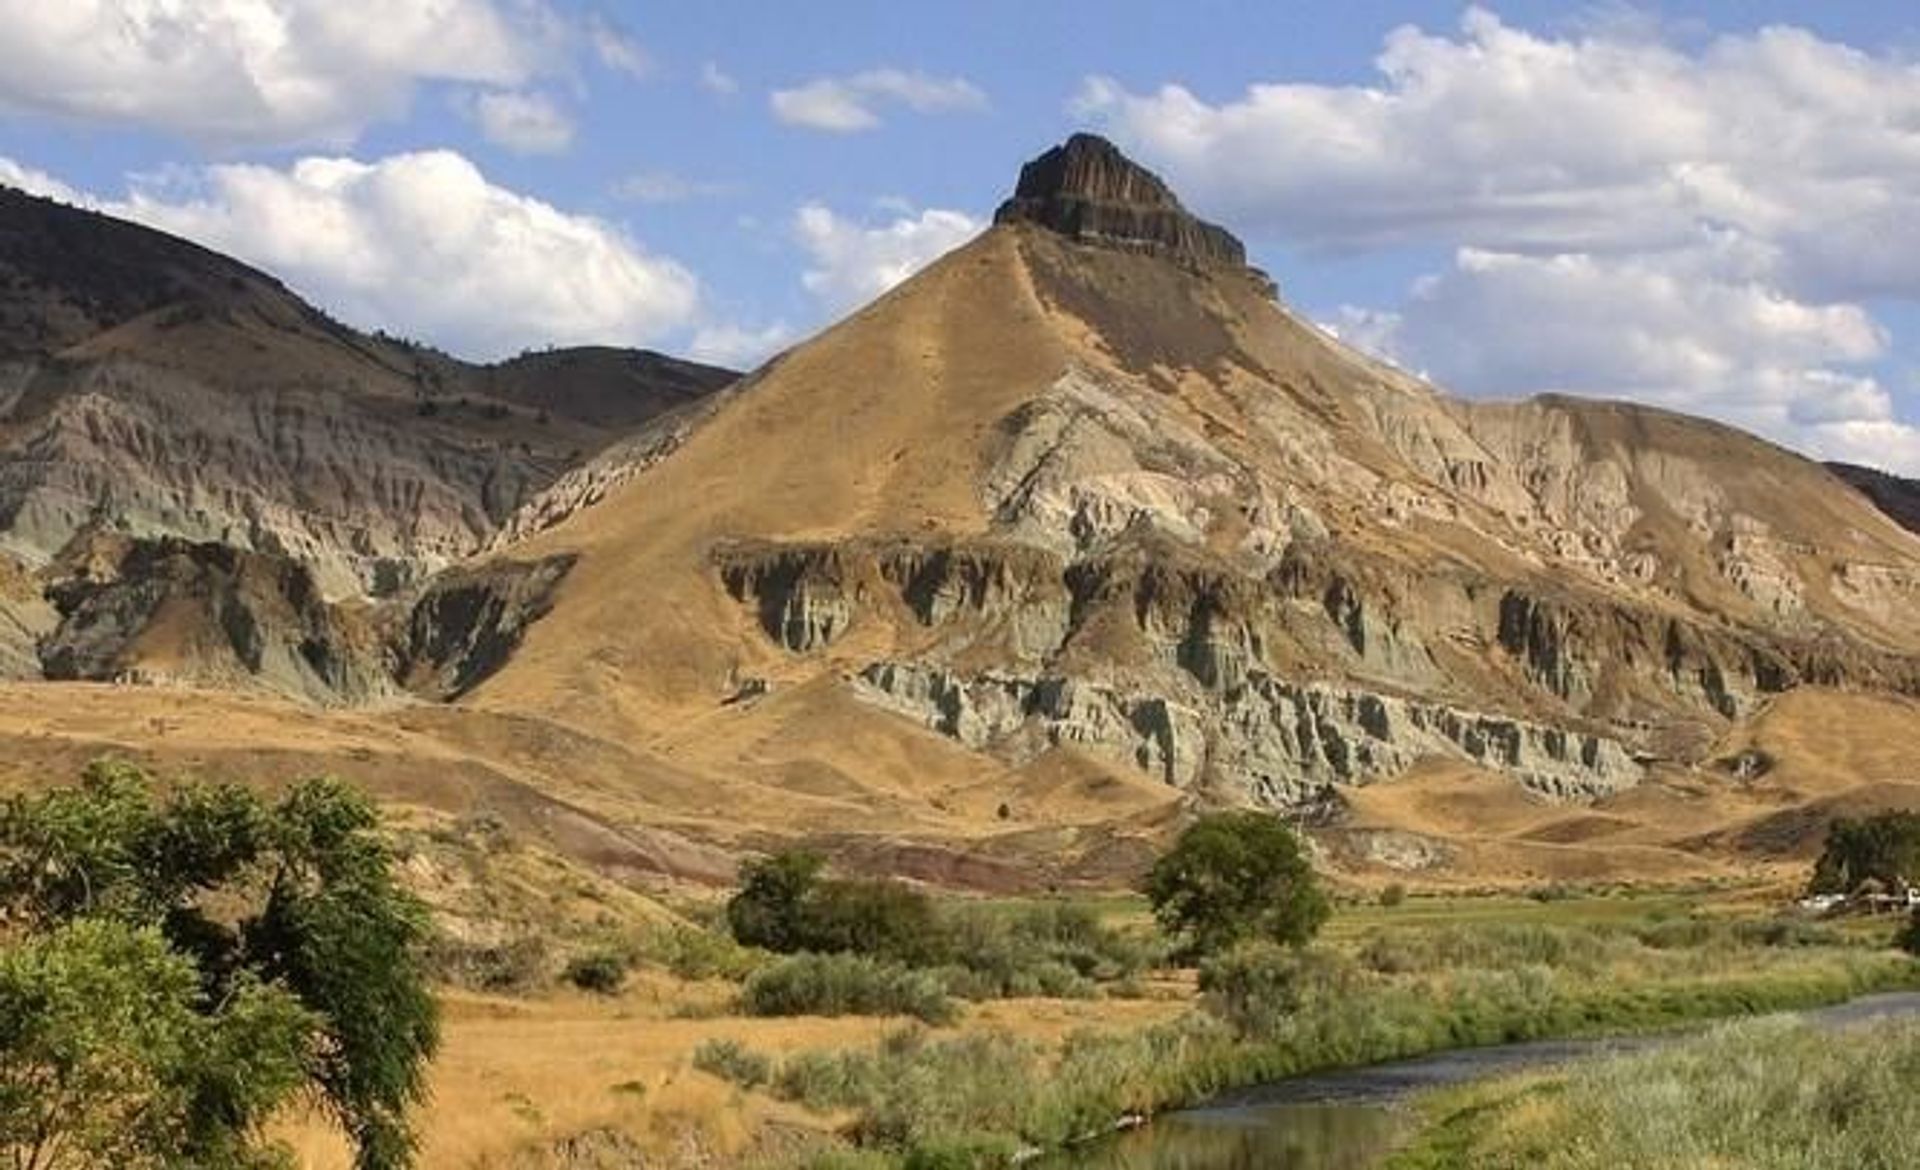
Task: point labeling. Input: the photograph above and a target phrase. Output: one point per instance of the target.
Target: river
(1350, 1120)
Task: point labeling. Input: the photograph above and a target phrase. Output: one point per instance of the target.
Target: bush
(784, 905)
(1054, 949)
(1909, 940)
(883, 919)
(1884, 848)
(733, 1061)
(845, 985)
(693, 953)
(512, 967)
(1233, 877)
(766, 912)
(601, 972)
(825, 1081)
(1393, 895)
(1255, 985)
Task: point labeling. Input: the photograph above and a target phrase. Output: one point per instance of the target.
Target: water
(1349, 1120)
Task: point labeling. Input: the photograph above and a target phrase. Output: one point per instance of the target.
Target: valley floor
(567, 1080)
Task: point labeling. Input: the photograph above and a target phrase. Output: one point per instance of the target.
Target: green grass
(845, 985)
(1761, 1095)
(1451, 980)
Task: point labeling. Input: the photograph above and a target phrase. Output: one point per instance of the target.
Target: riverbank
(1774, 1094)
(919, 1099)
(1360, 1119)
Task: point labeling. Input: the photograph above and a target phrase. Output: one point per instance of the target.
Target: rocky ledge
(1087, 190)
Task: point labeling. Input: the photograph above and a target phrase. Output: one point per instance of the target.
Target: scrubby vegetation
(1762, 1095)
(1884, 848)
(599, 971)
(733, 1061)
(1270, 1011)
(178, 966)
(968, 950)
(845, 985)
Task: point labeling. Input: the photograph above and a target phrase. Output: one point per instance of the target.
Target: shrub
(784, 905)
(766, 911)
(1884, 848)
(691, 952)
(1909, 940)
(1257, 984)
(1236, 876)
(515, 966)
(1054, 949)
(1393, 894)
(826, 1081)
(601, 972)
(733, 1061)
(845, 985)
(884, 919)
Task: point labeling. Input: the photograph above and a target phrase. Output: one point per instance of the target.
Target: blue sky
(1713, 206)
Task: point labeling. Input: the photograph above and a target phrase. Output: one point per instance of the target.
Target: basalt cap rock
(1089, 191)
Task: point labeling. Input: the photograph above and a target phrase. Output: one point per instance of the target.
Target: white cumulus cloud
(850, 262)
(845, 105)
(257, 71)
(422, 244)
(525, 123)
(1698, 226)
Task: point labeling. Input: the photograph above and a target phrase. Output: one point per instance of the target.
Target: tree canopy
(1233, 877)
(1884, 847)
(785, 905)
(179, 966)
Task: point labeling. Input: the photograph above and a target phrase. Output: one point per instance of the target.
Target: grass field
(556, 1078)
(1760, 1095)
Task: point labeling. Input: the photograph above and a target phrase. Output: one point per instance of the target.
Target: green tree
(1909, 938)
(109, 1057)
(885, 919)
(1233, 877)
(295, 900)
(784, 905)
(1884, 847)
(767, 910)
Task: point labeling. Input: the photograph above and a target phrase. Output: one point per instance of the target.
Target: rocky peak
(1087, 190)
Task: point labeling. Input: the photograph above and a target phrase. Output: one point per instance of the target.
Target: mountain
(1896, 496)
(1074, 531)
(150, 386)
(213, 482)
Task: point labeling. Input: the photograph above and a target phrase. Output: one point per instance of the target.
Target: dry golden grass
(515, 1076)
(811, 761)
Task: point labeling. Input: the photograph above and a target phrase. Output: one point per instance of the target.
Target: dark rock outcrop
(205, 614)
(469, 621)
(1087, 190)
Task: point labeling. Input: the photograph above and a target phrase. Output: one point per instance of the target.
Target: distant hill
(1898, 497)
(156, 388)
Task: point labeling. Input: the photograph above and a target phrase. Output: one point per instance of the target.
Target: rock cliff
(1088, 191)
